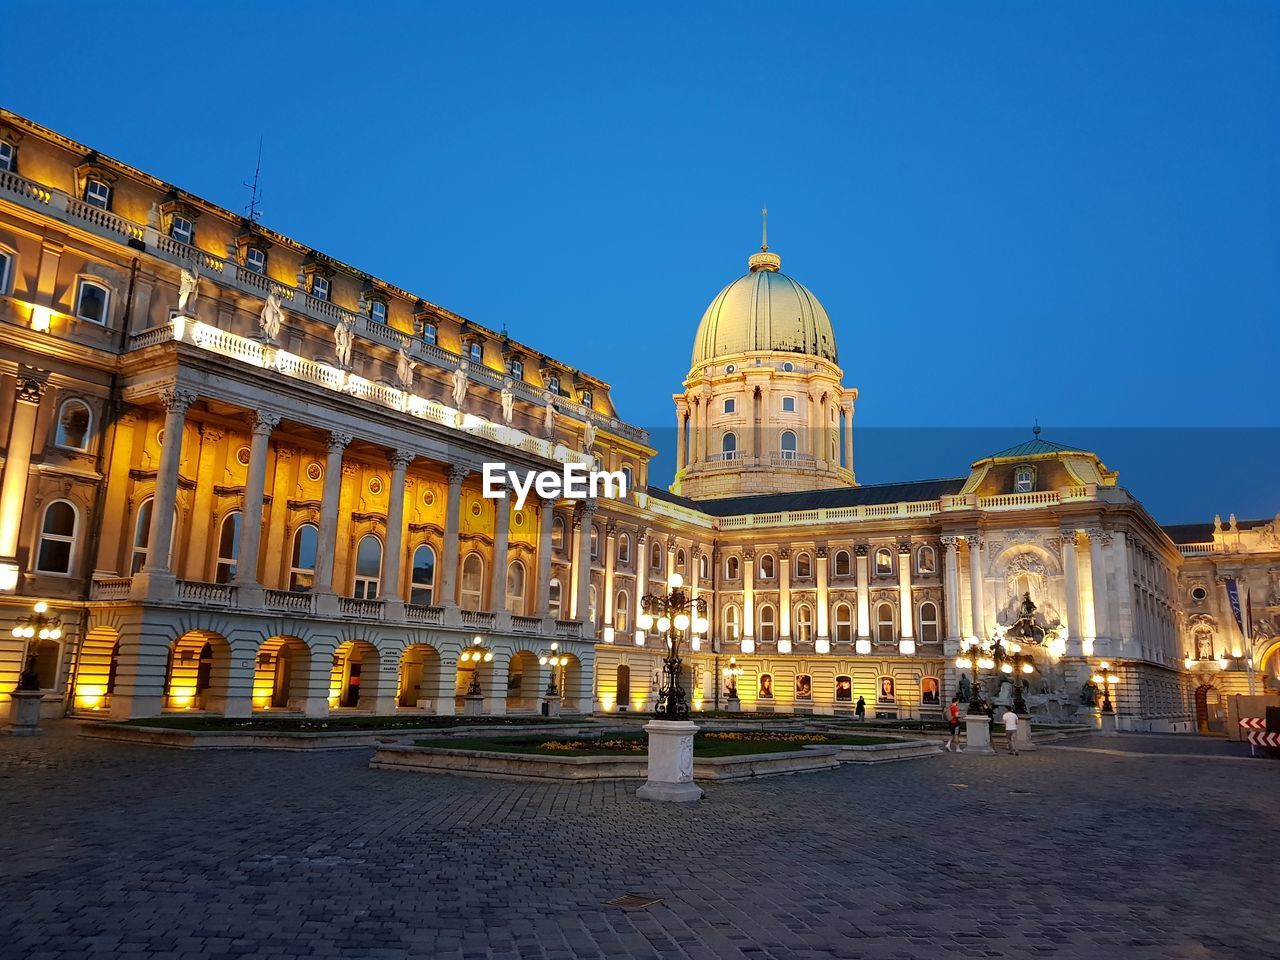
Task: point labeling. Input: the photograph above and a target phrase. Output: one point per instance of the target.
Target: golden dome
(764, 311)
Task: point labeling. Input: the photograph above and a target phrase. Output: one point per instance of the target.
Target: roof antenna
(1035, 431)
(764, 230)
(255, 196)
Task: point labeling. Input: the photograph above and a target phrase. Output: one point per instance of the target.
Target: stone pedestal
(977, 734)
(1109, 725)
(473, 706)
(733, 705)
(670, 762)
(1022, 736)
(551, 705)
(24, 713)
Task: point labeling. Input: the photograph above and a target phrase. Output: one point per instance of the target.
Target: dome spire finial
(764, 260)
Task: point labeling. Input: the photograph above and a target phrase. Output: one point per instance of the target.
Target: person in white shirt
(1011, 728)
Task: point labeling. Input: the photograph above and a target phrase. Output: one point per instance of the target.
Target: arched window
(928, 622)
(731, 622)
(368, 568)
(58, 532)
(228, 547)
(768, 567)
(93, 301)
(1024, 479)
(74, 423)
(804, 567)
(594, 541)
(142, 535)
(704, 568)
(553, 598)
(302, 568)
(629, 477)
(515, 588)
(804, 623)
(804, 686)
(884, 562)
(682, 560)
(623, 686)
(621, 608)
(557, 533)
(655, 556)
(624, 548)
(728, 445)
(884, 623)
(842, 618)
(732, 568)
(422, 590)
(842, 563)
(471, 588)
(926, 560)
(768, 623)
(788, 445)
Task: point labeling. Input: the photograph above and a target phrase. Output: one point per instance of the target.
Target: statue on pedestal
(964, 688)
(272, 317)
(1089, 694)
(404, 370)
(549, 419)
(342, 341)
(588, 436)
(508, 403)
(189, 288)
(460, 384)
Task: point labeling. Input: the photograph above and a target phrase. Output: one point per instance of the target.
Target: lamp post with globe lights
(25, 699)
(1107, 678)
(731, 674)
(670, 773)
(555, 682)
(475, 653)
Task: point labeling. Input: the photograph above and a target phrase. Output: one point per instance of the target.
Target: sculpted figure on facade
(189, 288)
(588, 436)
(549, 419)
(508, 402)
(404, 370)
(272, 317)
(460, 384)
(342, 341)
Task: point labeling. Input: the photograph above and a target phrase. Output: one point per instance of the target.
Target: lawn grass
(337, 724)
(702, 746)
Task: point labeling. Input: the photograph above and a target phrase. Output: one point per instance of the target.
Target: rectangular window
(7, 155)
(182, 230)
(378, 311)
(256, 260)
(6, 271)
(553, 384)
(730, 405)
(517, 369)
(98, 194)
(475, 352)
(92, 302)
(428, 333)
(320, 287)
(586, 398)
(788, 404)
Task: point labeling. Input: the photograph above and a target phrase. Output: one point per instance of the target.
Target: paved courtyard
(1137, 847)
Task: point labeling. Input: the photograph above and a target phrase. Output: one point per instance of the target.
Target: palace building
(247, 478)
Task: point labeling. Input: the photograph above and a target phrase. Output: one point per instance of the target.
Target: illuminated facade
(170, 369)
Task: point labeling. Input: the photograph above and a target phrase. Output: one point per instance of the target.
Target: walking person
(861, 710)
(953, 724)
(1010, 728)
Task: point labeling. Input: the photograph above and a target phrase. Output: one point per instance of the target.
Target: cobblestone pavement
(110, 850)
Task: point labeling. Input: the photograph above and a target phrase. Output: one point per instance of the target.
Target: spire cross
(764, 230)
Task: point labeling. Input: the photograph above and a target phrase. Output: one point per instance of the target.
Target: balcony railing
(526, 624)
(288, 600)
(478, 619)
(116, 588)
(360, 609)
(206, 594)
(1201, 549)
(569, 629)
(428, 616)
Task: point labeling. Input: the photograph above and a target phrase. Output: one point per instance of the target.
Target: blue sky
(1011, 210)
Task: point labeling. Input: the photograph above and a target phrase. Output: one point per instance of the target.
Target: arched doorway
(524, 687)
(197, 674)
(353, 680)
(95, 677)
(280, 673)
(573, 698)
(419, 678)
(623, 688)
(1210, 711)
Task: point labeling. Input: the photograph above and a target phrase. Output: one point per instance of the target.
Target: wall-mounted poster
(766, 686)
(804, 687)
(844, 689)
(929, 691)
(885, 694)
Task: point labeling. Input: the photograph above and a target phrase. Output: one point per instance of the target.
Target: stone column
(393, 553)
(748, 601)
(642, 571)
(848, 436)
(501, 545)
(546, 518)
(202, 512)
(17, 472)
(784, 595)
(1121, 612)
(327, 535)
(823, 612)
(906, 615)
(864, 594)
(979, 625)
(107, 563)
(1071, 572)
(156, 579)
(610, 536)
(1098, 539)
(452, 519)
(951, 588)
(583, 566)
(706, 427)
(246, 579)
(682, 418)
(279, 553)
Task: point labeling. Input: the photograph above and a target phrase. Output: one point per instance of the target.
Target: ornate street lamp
(1106, 678)
(557, 662)
(978, 657)
(40, 624)
(731, 674)
(673, 613)
(477, 654)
